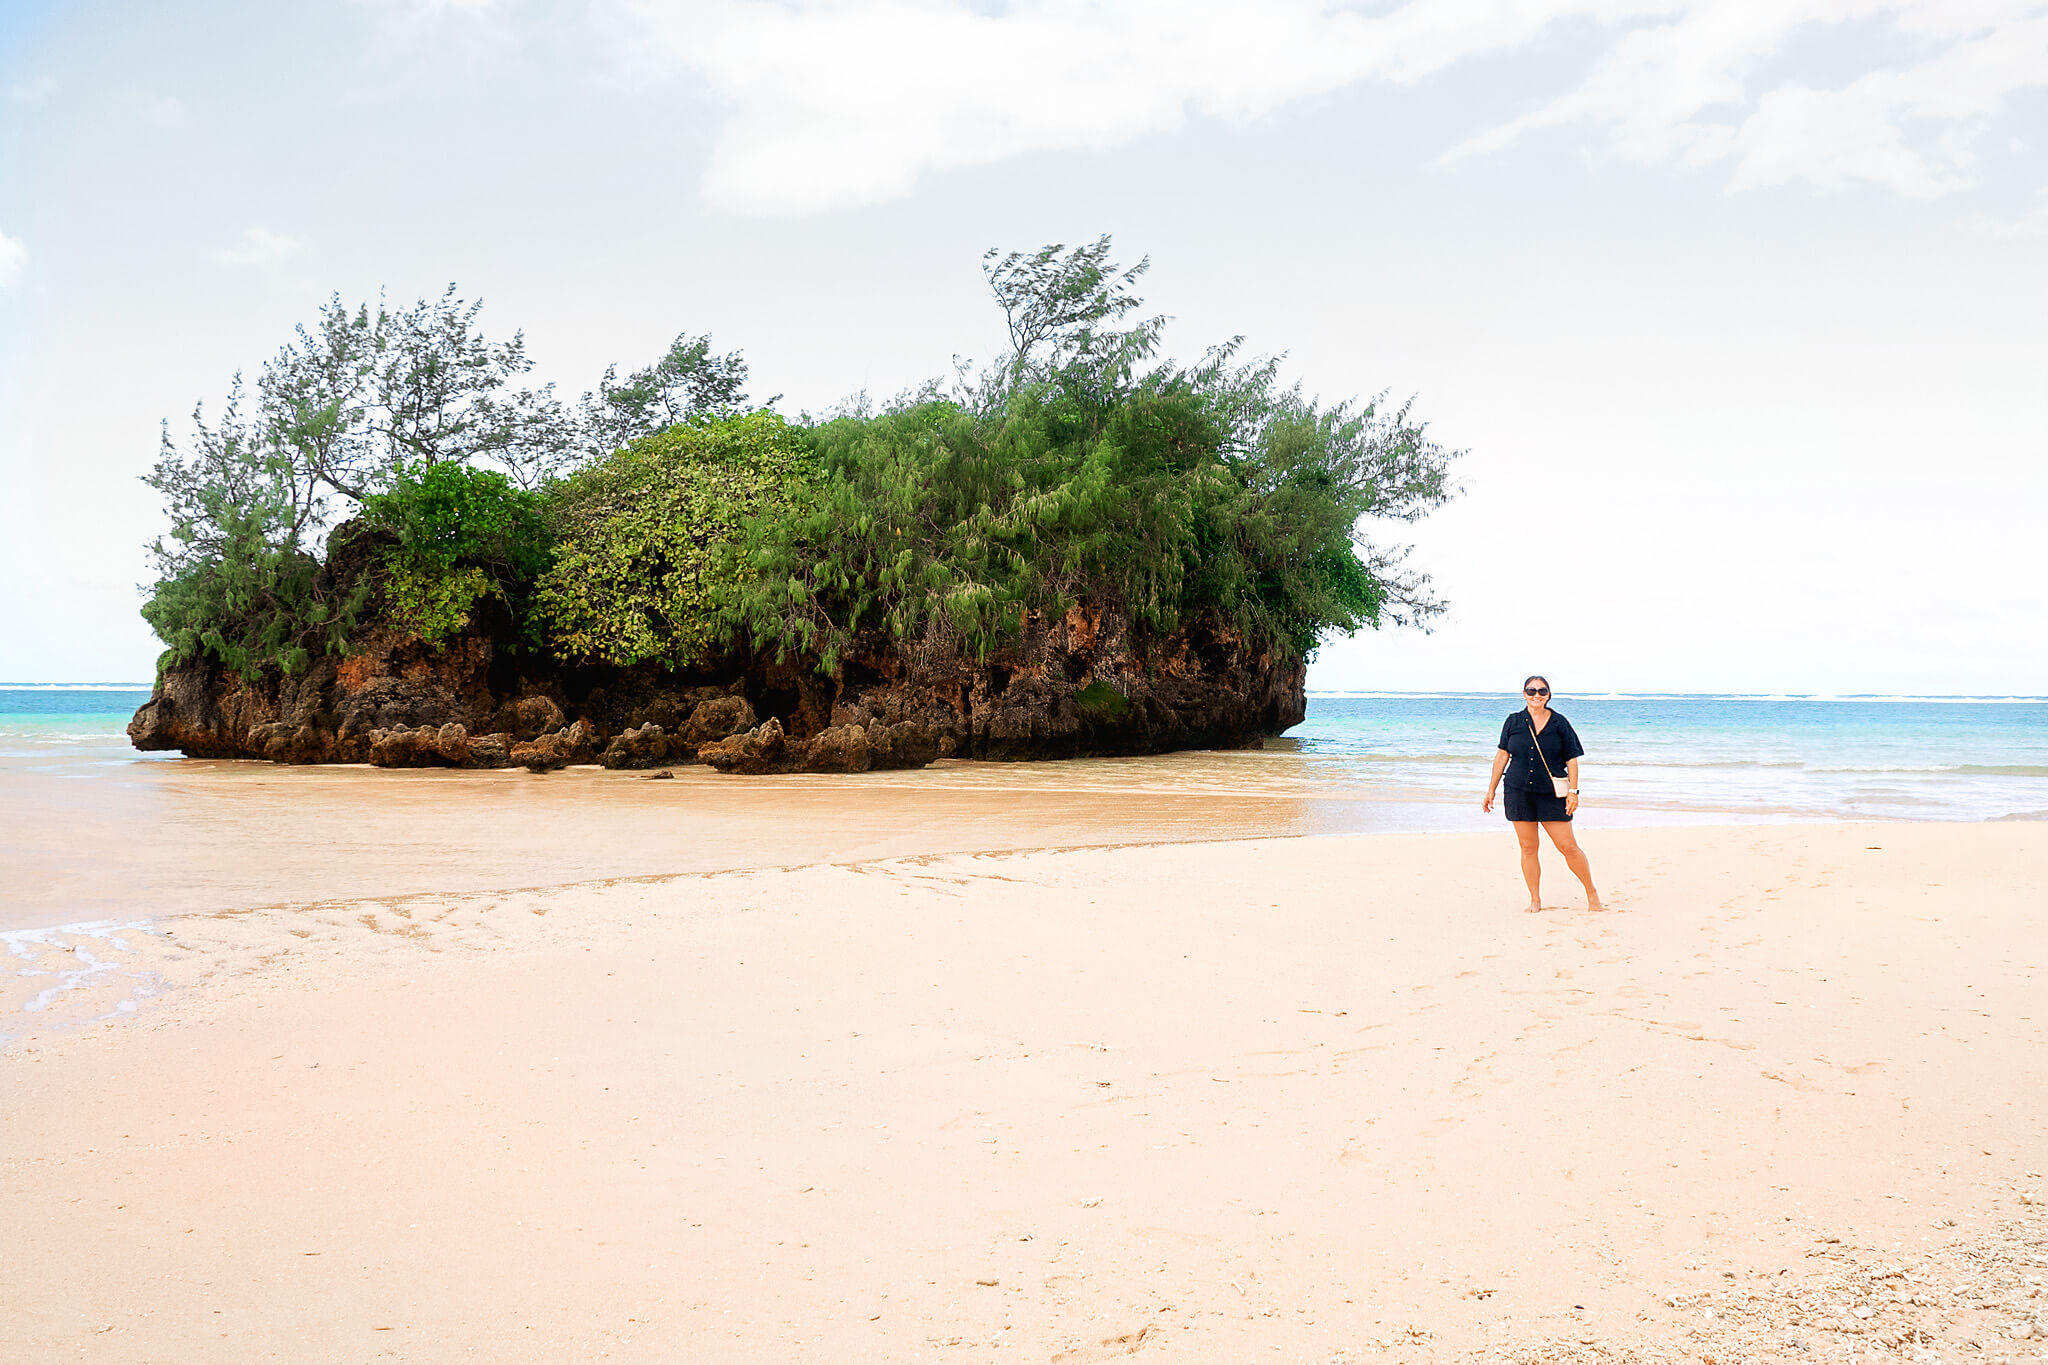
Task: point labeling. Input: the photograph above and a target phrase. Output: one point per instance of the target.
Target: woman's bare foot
(1593, 901)
(1533, 908)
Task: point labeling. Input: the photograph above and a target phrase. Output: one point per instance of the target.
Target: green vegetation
(647, 561)
(462, 534)
(1100, 702)
(410, 419)
(1072, 474)
(665, 522)
(233, 580)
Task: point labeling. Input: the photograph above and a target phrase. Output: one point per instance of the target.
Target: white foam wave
(1339, 695)
(70, 956)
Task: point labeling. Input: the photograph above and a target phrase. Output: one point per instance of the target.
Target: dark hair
(1534, 677)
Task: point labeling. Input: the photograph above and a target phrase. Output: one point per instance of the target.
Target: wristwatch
(1573, 792)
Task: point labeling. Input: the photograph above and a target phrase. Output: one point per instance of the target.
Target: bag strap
(1536, 738)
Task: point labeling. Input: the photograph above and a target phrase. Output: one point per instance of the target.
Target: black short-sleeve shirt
(1560, 745)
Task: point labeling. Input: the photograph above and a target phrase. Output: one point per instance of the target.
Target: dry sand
(1282, 1100)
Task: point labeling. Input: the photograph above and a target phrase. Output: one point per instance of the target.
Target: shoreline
(96, 967)
(141, 839)
(43, 933)
(1205, 1098)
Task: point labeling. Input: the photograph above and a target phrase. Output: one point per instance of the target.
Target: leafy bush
(645, 565)
(1069, 475)
(256, 605)
(396, 410)
(432, 604)
(232, 580)
(463, 533)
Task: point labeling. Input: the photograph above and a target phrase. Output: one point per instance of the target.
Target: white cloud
(839, 101)
(259, 247)
(1687, 89)
(829, 102)
(32, 92)
(13, 256)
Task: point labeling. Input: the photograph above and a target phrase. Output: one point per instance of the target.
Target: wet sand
(111, 837)
(1292, 1099)
(122, 840)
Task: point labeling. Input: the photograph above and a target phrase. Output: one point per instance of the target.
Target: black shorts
(1523, 807)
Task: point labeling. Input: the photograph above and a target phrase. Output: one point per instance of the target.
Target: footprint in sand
(1796, 1082)
(1128, 1343)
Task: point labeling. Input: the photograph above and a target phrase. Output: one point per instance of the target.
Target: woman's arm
(1571, 801)
(1500, 763)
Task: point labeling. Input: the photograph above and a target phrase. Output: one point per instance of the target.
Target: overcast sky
(1740, 307)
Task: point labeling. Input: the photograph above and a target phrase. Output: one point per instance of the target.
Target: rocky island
(1081, 552)
(1065, 689)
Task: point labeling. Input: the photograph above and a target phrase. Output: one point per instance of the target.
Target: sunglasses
(1535, 691)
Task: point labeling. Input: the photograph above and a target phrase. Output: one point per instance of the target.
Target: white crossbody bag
(1561, 785)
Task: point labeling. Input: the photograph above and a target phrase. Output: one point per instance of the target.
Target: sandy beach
(1290, 1099)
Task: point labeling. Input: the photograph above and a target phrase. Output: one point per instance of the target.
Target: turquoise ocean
(1770, 757)
(1800, 757)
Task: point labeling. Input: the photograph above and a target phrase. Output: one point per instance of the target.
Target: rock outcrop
(1074, 685)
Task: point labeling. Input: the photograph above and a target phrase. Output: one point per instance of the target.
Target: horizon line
(1392, 693)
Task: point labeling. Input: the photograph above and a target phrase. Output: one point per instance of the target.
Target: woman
(1538, 745)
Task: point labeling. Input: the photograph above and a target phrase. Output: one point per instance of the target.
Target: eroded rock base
(1075, 686)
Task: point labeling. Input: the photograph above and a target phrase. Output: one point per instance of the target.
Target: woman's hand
(1486, 802)
(1571, 804)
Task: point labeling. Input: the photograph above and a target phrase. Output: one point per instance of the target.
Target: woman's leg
(1532, 872)
(1574, 857)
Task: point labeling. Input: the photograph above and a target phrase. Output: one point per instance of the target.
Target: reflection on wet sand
(149, 838)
